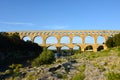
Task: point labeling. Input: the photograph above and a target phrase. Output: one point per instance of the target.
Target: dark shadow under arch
(89, 48)
(100, 48)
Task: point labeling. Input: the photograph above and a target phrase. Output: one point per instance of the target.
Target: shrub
(110, 43)
(113, 76)
(119, 51)
(46, 57)
(81, 75)
(113, 41)
(15, 68)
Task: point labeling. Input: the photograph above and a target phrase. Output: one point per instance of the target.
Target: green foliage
(80, 75)
(119, 54)
(110, 43)
(91, 55)
(119, 51)
(100, 48)
(100, 67)
(30, 76)
(83, 67)
(46, 57)
(113, 41)
(13, 49)
(15, 68)
(116, 39)
(77, 51)
(113, 76)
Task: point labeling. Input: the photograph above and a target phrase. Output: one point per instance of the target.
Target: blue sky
(59, 15)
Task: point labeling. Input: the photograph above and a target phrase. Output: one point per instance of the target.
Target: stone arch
(38, 39)
(77, 40)
(89, 48)
(89, 40)
(100, 40)
(51, 40)
(76, 48)
(64, 48)
(65, 40)
(51, 48)
(26, 38)
(101, 47)
(65, 51)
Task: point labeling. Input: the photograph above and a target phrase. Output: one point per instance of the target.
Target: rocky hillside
(103, 65)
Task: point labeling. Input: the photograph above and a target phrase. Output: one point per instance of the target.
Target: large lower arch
(38, 40)
(51, 48)
(64, 48)
(77, 40)
(89, 48)
(76, 49)
(26, 38)
(54, 50)
(101, 47)
(100, 40)
(65, 40)
(51, 40)
(65, 51)
(89, 40)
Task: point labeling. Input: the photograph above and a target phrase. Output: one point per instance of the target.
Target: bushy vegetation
(80, 75)
(113, 76)
(113, 41)
(46, 57)
(15, 50)
(91, 55)
(14, 69)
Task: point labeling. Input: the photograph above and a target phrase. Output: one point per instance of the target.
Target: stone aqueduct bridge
(70, 33)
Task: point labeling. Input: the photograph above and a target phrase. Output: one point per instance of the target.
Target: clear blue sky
(59, 15)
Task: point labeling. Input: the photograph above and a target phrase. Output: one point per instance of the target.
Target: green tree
(116, 39)
(113, 41)
(110, 43)
(15, 50)
(46, 57)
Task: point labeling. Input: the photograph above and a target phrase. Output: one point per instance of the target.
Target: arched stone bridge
(70, 33)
